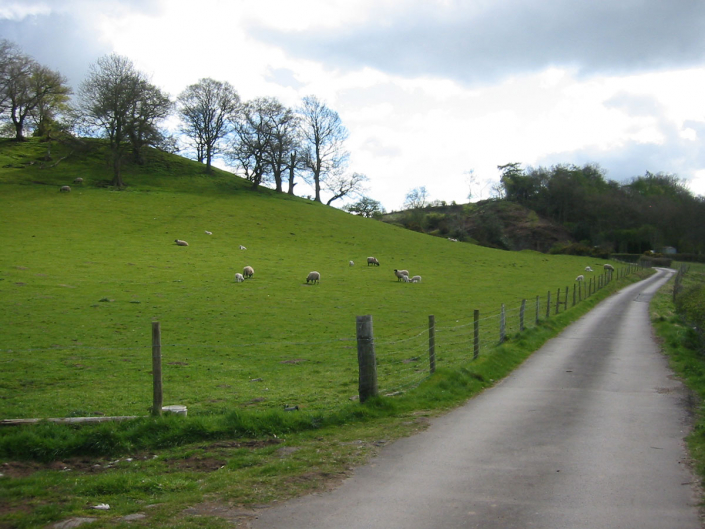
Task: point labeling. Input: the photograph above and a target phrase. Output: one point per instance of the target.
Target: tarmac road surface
(587, 433)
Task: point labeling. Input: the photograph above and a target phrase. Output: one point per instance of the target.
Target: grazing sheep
(180, 242)
(372, 261)
(588, 269)
(581, 277)
(209, 232)
(452, 240)
(416, 279)
(248, 271)
(242, 247)
(352, 263)
(78, 180)
(313, 277)
(239, 277)
(609, 267)
(405, 279)
(400, 274)
(65, 189)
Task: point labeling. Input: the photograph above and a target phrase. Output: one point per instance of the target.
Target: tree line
(262, 139)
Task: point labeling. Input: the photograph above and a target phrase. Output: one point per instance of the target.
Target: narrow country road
(588, 433)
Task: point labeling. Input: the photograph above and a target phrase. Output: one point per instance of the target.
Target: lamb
(248, 271)
(313, 277)
(78, 180)
(352, 263)
(239, 277)
(609, 267)
(209, 232)
(65, 189)
(581, 277)
(242, 247)
(179, 242)
(372, 261)
(588, 269)
(416, 279)
(405, 279)
(400, 274)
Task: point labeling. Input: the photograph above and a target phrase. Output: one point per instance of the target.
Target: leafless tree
(323, 142)
(345, 185)
(208, 110)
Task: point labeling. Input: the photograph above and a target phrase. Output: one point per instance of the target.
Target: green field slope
(84, 274)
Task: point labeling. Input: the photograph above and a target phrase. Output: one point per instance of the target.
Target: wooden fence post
(565, 303)
(548, 305)
(538, 303)
(574, 285)
(476, 335)
(366, 360)
(158, 397)
(432, 343)
(502, 325)
(558, 300)
(521, 315)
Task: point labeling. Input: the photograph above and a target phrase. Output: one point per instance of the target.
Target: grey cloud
(635, 105)
(511, 37)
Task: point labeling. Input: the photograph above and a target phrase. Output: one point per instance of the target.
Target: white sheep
(416, 279)
(209, 232)
(401, 274)
(248, 271)
(581, 277)
(242, 247)
(405, 279)
(588, 269)
(452, 240)
(609, 267)
(78, 180)
(372, 261)
(352, 263)
(313, 277)
(180, 242)
(65, 189)
(239, 277)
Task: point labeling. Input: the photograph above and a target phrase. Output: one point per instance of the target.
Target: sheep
(78, 180)
(588, 269)
(209, 232)
(239, 277)
(65, 189)
(400, 274)
(416, 279)
(352, 263)
(581, 277)
(452, 240)
(242, 247)
(372, 261)
(248, 271)
(405, 279)
(609, 267)
(313, 277)
(179, 242)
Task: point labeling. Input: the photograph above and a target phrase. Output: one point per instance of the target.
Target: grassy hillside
(83, 275)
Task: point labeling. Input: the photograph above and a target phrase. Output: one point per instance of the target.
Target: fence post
(476, 335)
(502, 324)
(366, 360)
(157, 398)
(521, 315)
(565, 303)
(574, 284)
(558, 300)
(538, 303)
(548, 305)
(432, 343)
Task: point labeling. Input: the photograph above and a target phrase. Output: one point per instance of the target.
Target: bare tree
(207, 110)
(417, 198)
(345, 185)
(323, 138)
(25, 86)
(113, 101)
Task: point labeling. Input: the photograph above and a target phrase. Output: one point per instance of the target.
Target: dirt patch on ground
(196, 464)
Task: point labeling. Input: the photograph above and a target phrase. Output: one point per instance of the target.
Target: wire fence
(320, 375)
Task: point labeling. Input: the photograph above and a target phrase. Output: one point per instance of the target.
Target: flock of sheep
(607, 267)
(67, 189)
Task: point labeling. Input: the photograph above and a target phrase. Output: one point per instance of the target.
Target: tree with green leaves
(365, 207)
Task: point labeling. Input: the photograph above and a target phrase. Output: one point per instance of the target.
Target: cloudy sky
(432, 91)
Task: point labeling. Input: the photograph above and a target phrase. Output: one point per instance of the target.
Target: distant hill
(492, 223)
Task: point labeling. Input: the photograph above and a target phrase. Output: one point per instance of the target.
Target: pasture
(83, 275)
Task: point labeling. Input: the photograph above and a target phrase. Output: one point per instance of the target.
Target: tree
(207, 110)
(365, 207)
(323, 138)
(114, 102)
(151, 107)
(417, 198)
(254, 133)
(26, 86)
(345, 185)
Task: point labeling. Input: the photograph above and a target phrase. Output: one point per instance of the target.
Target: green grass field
(84, 274)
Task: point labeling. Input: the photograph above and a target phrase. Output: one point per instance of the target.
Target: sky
(434, 93)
